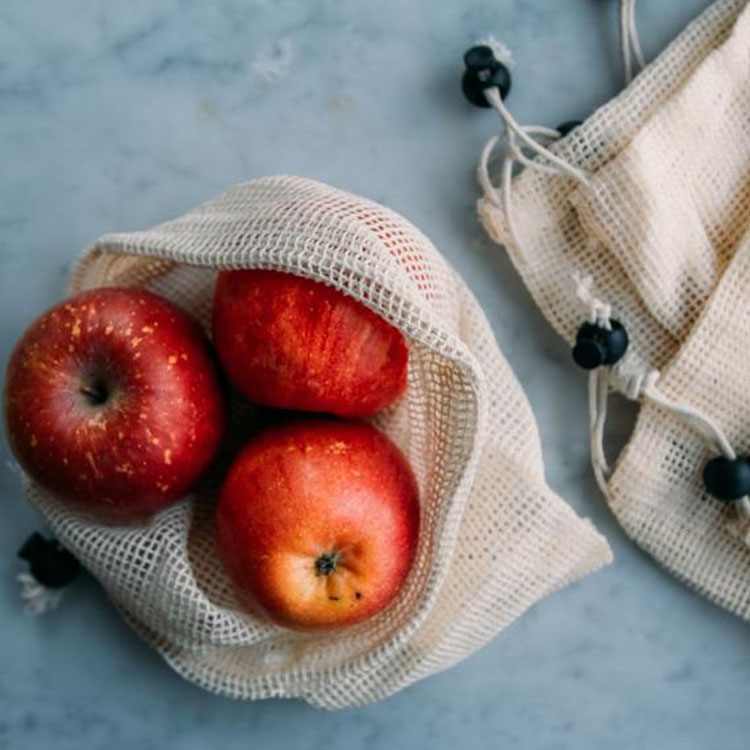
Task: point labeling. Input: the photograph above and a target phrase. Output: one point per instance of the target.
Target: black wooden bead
(480, 57)
(483, 71)
(596, 346)
(473, 84)
(50, 563)
(564, 128)
(589, 352)
(727, 479)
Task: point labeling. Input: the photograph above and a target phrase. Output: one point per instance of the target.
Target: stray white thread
(36, 597)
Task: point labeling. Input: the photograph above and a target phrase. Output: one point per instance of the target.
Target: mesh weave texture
(494, 538)
(662, 230)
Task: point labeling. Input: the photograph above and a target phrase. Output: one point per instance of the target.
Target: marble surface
(114, 116)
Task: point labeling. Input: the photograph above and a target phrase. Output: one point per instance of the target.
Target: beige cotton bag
(494, 537)
(646, 220)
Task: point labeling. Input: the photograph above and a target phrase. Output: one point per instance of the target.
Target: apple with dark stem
(112, 402)
(317, 523)
(293, 343)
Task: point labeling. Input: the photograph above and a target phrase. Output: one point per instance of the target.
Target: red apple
(112, 401)
(317, 523)
(293, 343)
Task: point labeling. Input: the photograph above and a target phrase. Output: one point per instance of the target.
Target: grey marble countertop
(115, 116)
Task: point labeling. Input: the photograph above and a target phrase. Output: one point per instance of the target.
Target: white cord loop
(511, 126)
(508, 147)
(629, 42)
(634, 382)
(640, 384)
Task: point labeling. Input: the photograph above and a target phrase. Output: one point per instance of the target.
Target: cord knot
(634, 382)
(599, 313)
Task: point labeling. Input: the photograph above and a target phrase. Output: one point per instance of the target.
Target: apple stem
(326, 563)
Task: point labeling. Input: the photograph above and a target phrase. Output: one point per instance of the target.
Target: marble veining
(114, 116)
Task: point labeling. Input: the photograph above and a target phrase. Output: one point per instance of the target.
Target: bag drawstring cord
(637, 384)
(631, 50)
(640, 384)
(629, 41)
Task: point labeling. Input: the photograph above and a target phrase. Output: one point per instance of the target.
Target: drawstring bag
(632, 234)
(494, 538)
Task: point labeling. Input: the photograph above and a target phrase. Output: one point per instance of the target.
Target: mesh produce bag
(494, 538)
(645, 220)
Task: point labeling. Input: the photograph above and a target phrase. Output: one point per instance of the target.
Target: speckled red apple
(293, 343)
(112, 401)
(318, 522)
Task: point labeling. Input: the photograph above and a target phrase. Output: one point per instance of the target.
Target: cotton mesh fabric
(662, 230)
(494, 538)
